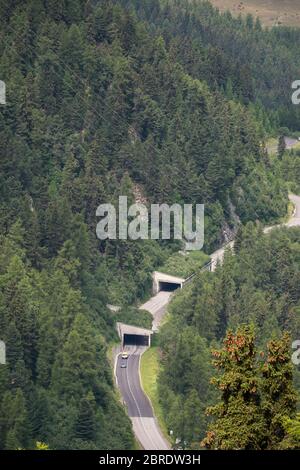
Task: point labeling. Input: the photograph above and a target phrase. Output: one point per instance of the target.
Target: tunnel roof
(124, 329)
(162, 277)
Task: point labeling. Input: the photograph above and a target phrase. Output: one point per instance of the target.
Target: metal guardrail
(206, 267)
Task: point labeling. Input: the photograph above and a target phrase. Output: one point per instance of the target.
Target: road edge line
(154, 415)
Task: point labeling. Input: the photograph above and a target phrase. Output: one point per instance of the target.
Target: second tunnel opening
(168, 286)
(136, 340)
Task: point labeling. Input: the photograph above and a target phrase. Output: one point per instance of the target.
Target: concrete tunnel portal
(135, 340)
(136, 336)
(165, 282)
(168, 286)
(133, 335)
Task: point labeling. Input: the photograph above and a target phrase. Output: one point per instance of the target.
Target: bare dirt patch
(271, 12)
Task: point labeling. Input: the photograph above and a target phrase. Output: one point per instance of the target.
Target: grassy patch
(296, 146)
(291, 209)
(183, 265)
(272, 145)
(137, 445)
(287, 217)
(149, 376)
(134, 316)
(110, 352)
(271, 12)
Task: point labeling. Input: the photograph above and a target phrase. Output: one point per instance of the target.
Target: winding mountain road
(139, 408)
(157, 306)
(289, 144)
(294, 221)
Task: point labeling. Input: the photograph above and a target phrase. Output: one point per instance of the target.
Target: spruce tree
(238, 422)
(281, 146)
(279, 395)
(85, 426)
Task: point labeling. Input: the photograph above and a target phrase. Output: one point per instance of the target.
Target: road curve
(157, 306)
(139, 408)
(294, 221)
(289, 144)
(138, 405)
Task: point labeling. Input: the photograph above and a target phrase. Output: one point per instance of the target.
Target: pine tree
(291, 440)
(238, 422)
(194, 419)
(279, 395)
(58, 219)
(13, 416)
(85, 427)
(281, 146)
(75, 371)
(14, 350)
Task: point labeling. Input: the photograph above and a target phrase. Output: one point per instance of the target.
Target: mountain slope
(95, 106)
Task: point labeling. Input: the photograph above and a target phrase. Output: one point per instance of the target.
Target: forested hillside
(102, 104)
(289, 166)
(236, 55)
(258, 285)
(271, 12)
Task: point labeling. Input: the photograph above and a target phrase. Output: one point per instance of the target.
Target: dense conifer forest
(254, 297)
(168, 102)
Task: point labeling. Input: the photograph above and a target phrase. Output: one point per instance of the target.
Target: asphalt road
(128, 379)
(139, 409)
(138, 405)
(294, 221)
(289, 143)
(157, 307)
(217, 256)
